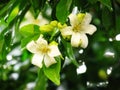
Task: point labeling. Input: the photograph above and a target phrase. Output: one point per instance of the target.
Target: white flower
(43, 52)
(29, 19)
(80, 26)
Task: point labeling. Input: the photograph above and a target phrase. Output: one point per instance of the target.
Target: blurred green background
(99, 62)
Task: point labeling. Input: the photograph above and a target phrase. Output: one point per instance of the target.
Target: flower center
(44, 48)
(76, 28)
(36, 21)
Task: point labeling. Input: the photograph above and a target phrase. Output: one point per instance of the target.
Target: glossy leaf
(13, 14)
(53, 72)
(3, 10)
(26, 40)
(1, 44)
(41, 81)
(69, 52)
(37, 6)
(54, 33)
(3, 25)
(8, 38)
(29, 30)
(107, 3)
(62, 10)
(107, 18)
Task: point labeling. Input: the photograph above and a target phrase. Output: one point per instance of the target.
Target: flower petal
(32, 47)
(54, 51)
(75, 39)
(37, 60)
(42, 20)
(87, 19)
(41, 41)
(73, 20)
(49, 60)
(83, 40)
(66, 31)
(89, 29)
(79, 39)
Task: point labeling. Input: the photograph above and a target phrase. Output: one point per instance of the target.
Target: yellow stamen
(36, 21)
(76, 28)
(44, 49)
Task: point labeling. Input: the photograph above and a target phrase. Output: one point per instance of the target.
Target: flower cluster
(80, 26)
(45, 52)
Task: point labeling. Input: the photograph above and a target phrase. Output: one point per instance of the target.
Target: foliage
(101, 57)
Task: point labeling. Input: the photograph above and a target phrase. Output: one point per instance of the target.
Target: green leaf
(29, 30)
(107, 18)
(8, 38)
(41, 81)
(62, 10)
(107, 3)
(3, 24)
(1, 44)
(54, 33)
(69, 52)
(53, 72)
(118, 23)
(25, 40)
(13, 14)
(37, 6)
(5, 8)
(92, 1)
